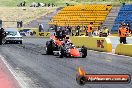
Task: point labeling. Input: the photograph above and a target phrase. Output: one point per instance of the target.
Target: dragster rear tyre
(49, 48)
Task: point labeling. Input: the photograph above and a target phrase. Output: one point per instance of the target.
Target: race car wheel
(49, 48)
(81, 80)
(84, 52)
(3, 41)
(20, 42)
(0, 42)
(61, 53)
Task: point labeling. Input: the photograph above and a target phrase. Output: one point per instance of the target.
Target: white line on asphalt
(20, 81)
(110, 53)
(109, 60)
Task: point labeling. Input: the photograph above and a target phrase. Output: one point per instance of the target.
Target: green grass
(12, 3)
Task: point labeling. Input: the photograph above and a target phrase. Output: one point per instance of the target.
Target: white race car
(13, 35)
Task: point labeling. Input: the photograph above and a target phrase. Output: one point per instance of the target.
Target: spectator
(51, 28)
(100, 27)
(72, 31)
(77, 30)
(21, 24)
(34, 33)
(59, 33)
(85, 29)
(41, 4)
(38, 5)
(34, 4)
(55, 27)
(24, 3)
(41, 28)
(90, 29)
(122, 34)
(20, 5)
(31, 33)
(105, 32)
(17, 24)
(64, 33)
(2, 35)
(67, 4)
(107, 9)
(49, 5)
(53, 5)
(69, 29)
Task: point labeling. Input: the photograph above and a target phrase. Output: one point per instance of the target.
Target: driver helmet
(72, 46)
(67, 42)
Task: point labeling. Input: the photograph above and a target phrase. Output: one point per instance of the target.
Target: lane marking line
(110, 53)
(109, 60)
(20, 81)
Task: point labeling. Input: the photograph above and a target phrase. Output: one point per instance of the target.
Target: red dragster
(59, 47)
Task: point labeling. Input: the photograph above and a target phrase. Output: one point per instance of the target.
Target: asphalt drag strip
(47, 71)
